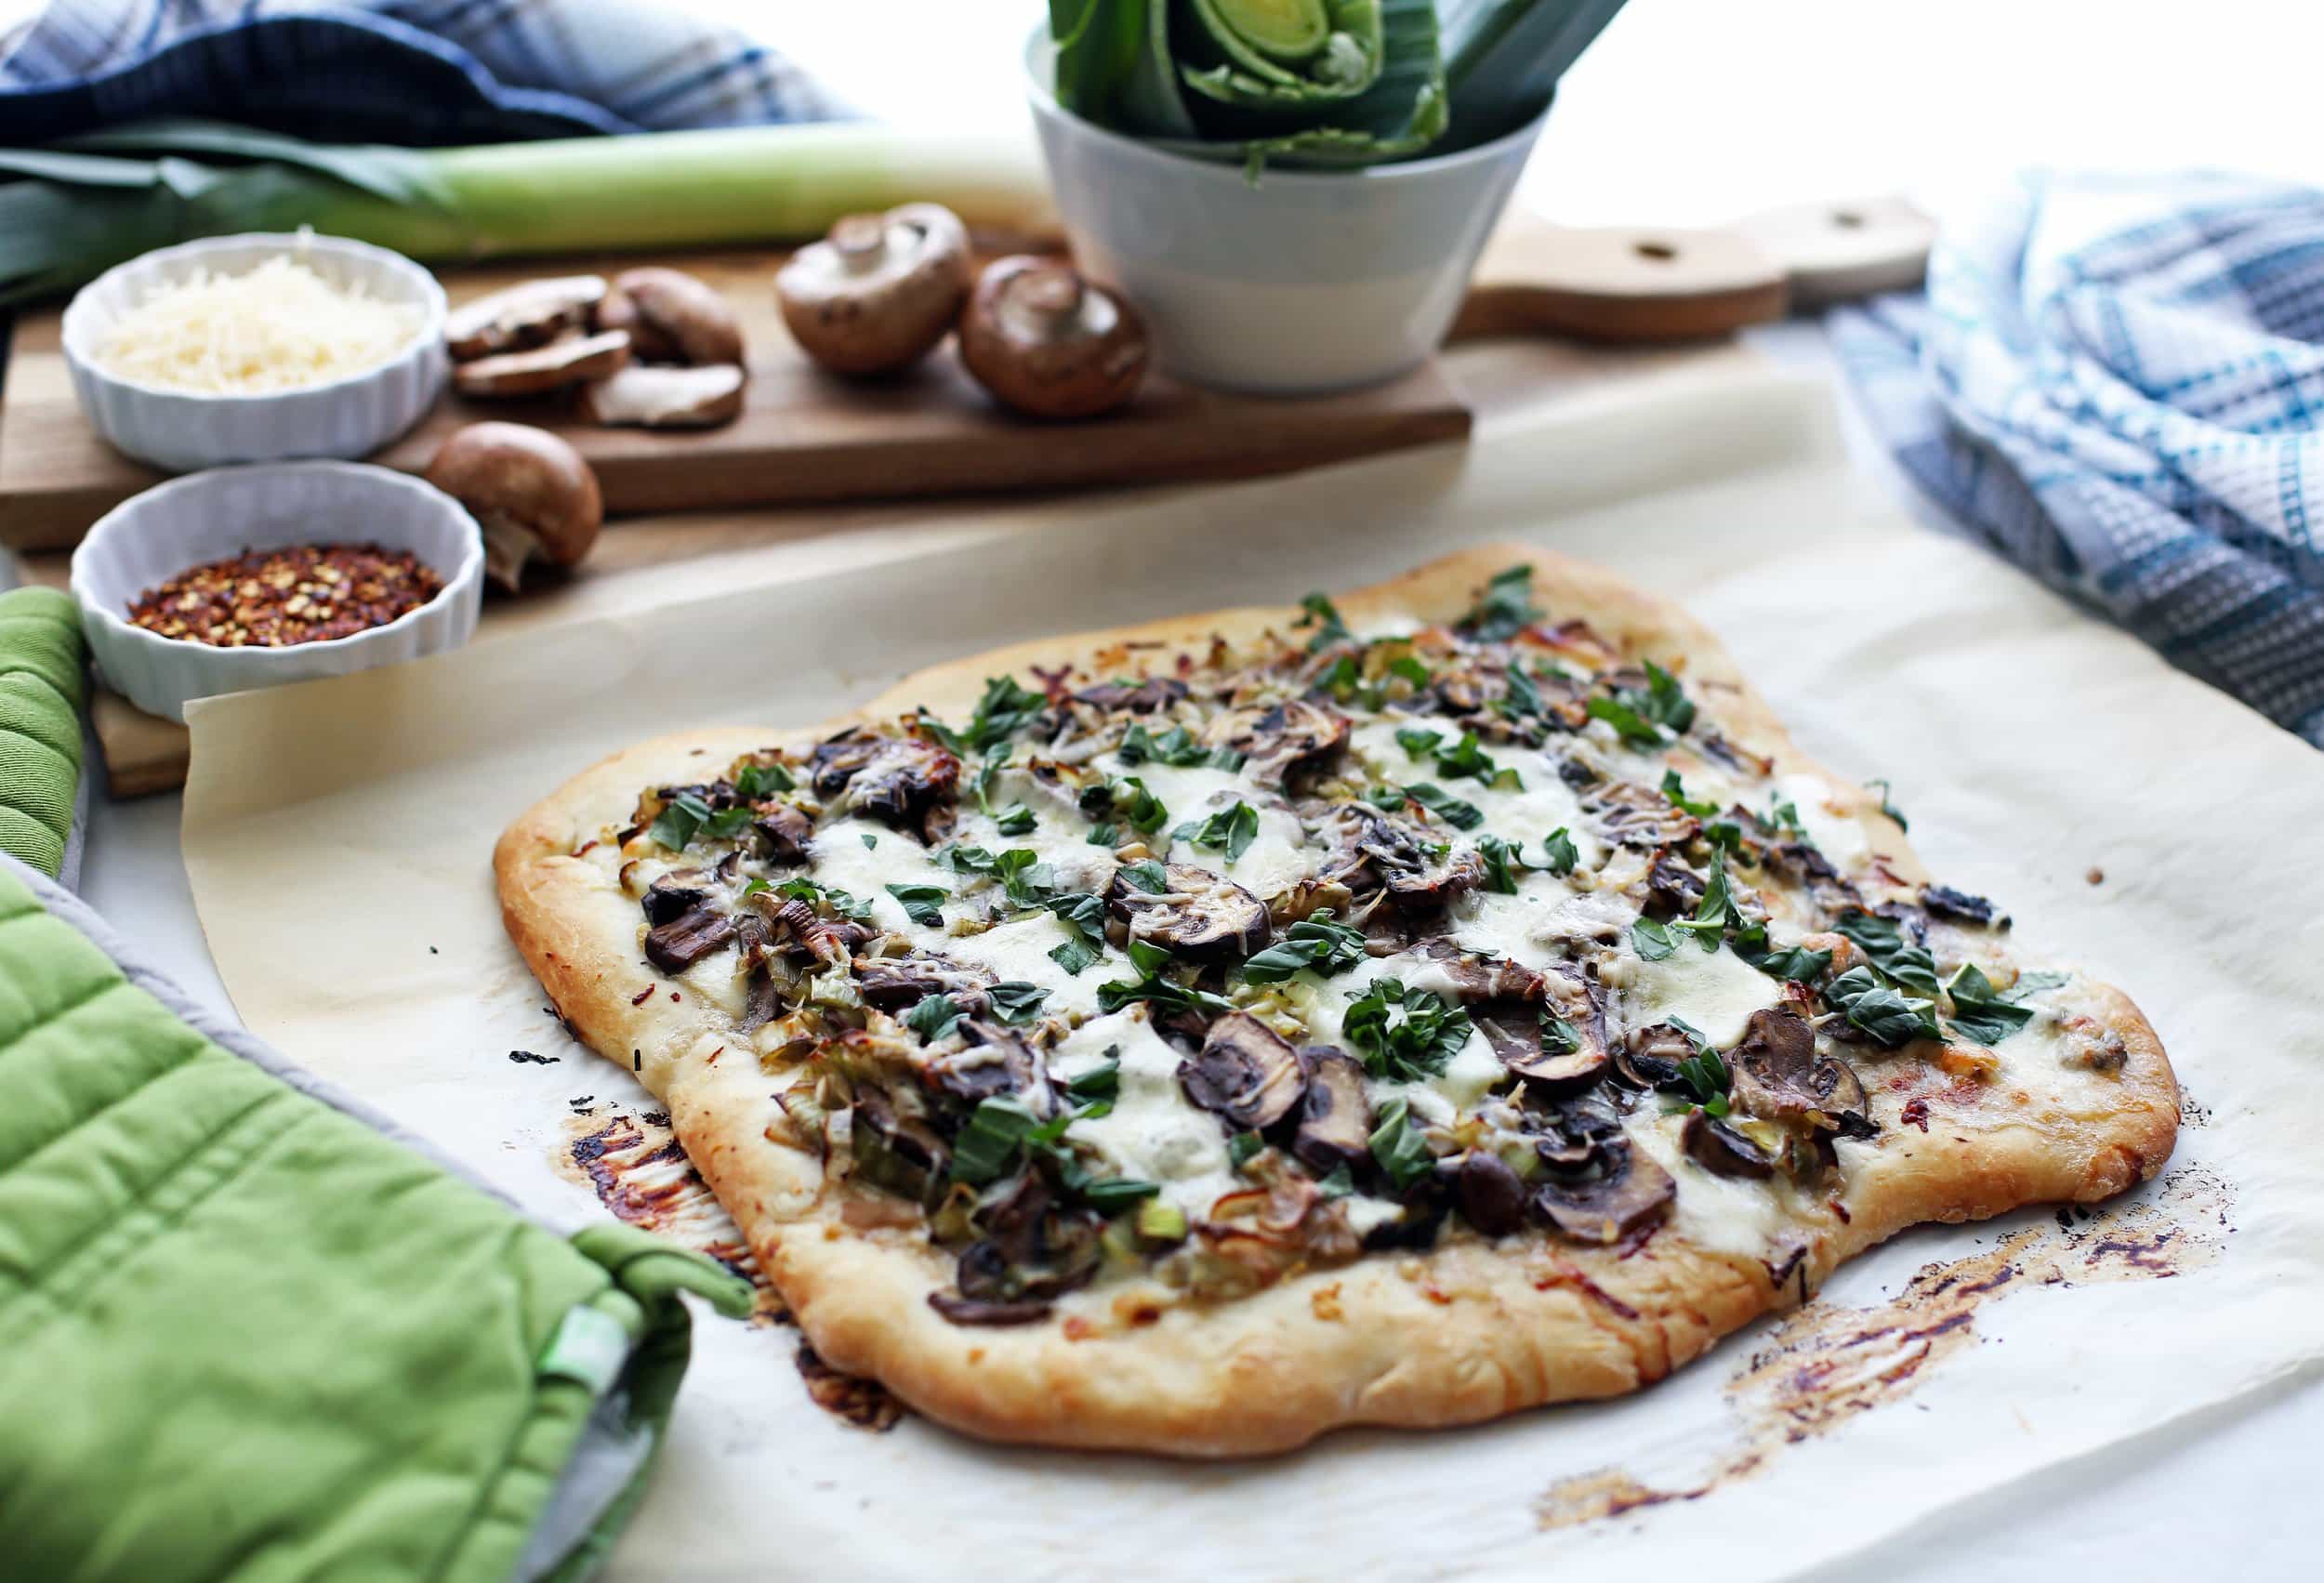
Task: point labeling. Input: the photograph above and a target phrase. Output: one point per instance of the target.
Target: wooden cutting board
(810, 453)
(805, 438)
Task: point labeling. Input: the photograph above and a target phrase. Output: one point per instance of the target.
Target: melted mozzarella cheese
(1544, 922)
(840, 860)
(1060, 837)
(1323, 1004)
(1278, 856)
(1019, 952)
(1715, 991)
(1832, 825)
(1723, 1214)
(1542, 805)
(1152, 1133)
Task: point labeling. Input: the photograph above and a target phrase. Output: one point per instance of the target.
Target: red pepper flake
(275, 598)
(1916, 1114)
(639, 998)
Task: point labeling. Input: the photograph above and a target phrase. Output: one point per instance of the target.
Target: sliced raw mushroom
(1282, 738)
(1628, 1190)
(1723, 1151)
(1138, 697)
(675, 893)
(1335, 1127)
(533, 495)
(672, 317)
(894, 779)
(647, 397)
(1198, 914)
(1492, 1196)
(522, 316)
(686, 939)
(879, 291)
(1779, 1077)
(1246, 1074)
(576, 360)
(1045, 342)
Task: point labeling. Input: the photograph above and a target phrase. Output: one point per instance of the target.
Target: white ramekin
(180, 430)
(1301, 283)
(210, 516)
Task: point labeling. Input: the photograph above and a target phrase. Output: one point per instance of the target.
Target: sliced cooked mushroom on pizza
(1403, 1011)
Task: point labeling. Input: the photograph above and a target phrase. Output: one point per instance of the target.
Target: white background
(1690, 112)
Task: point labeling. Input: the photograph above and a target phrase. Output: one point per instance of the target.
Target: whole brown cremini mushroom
(1050, 344)
(879, 291)
(672, 317)
(531, 493)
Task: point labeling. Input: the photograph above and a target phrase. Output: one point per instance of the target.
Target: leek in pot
(1294, 192)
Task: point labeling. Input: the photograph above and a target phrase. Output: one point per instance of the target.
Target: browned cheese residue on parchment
(641, 1173)
(1823, 1365)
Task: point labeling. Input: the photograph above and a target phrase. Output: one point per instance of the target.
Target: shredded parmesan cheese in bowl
(257, 349)
(280, 326)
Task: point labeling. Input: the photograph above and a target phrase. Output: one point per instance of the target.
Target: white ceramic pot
(1303, 282)
(210, 516)
(180, 430)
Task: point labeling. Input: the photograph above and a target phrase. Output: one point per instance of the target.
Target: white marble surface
(1687, 112)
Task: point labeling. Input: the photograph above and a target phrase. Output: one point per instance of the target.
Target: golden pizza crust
(1465, 1332)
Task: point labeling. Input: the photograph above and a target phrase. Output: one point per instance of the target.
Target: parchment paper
(338, 836)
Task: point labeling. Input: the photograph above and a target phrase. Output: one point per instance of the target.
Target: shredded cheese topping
(280, 326)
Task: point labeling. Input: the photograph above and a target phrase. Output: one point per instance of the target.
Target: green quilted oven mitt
(41, 695)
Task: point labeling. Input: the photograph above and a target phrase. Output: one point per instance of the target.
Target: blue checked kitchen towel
(436, 71)
(2119, 385)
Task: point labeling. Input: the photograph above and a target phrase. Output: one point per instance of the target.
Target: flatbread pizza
(1405, 1009)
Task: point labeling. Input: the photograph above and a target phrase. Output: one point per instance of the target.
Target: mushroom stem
(509, 549)
(861, 241)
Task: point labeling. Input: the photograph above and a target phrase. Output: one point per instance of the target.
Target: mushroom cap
(681, 319)
(1047, 343)
(575, 360)
(529, 491)
(879, 291)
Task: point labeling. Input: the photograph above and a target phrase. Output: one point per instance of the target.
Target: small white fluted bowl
(212, 516)
(1301, 283)
(180, 430)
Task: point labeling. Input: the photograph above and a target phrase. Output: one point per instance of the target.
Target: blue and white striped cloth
(432, 72)
(2119, 384)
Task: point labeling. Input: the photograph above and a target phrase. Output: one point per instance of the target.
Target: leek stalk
(76, 208)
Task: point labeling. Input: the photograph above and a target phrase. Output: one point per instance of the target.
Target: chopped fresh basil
(1707, 1075)
(1558, 854)
(1322, 615)
(1104, 836)
(871, 842)
(1339, 1184)
(1796, 963)
(1079, 911)
(757, 782)
(1890, 951)
(1418, 743)
(1111, 1195)
(1558, 1035)
(1151, 962)
(752, 886)
(991, 1139)
(1230, 830)
(840, 901)
(1411, 669)
(1782, 814)
(1505, 607)
(1243, 1147)
(1398, 1146)
(1503, 862)
(1451, 809)
(1716, 913)
(1102, 1082)
(1315, 942)
(1342, 678)
(1016, 1002)
(1628, 723)
(1675, 790)
(935, 1017)
(1890, 1018)
(1664, 702)
(1148, 875)
(1015, 819)
(1523, 697)
(677, 825)
(1405, 1033)
(1889, 807)
(1005, 709)
(1465, 758)
(1138, 806)
(922, 903)
(1176, 747)
(1021, 876)
(1981, 1011)
(1651, 941)
(1074, 955)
